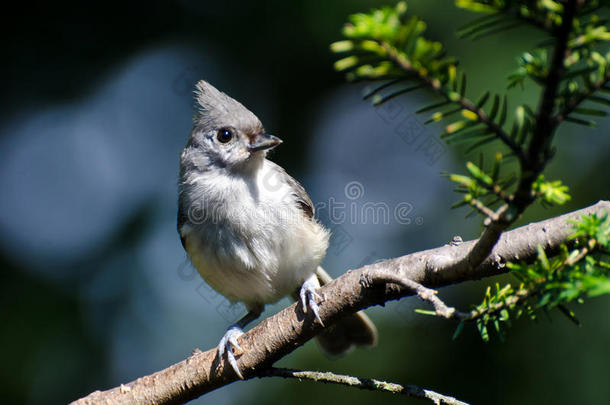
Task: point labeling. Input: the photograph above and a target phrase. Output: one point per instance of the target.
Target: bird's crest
(217, 108)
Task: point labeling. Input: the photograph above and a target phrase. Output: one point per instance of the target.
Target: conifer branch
(538, 152)
(435, 85)
(582, 96)
(282, 333)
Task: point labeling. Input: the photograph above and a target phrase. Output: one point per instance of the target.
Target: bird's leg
(308, 296)
(229, 341)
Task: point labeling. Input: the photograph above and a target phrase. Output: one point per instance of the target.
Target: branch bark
(370, 384)
(282, 333)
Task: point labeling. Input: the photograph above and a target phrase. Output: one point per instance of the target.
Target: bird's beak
(263, 141)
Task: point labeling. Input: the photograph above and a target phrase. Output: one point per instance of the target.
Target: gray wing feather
(298, 192)
(182, 219)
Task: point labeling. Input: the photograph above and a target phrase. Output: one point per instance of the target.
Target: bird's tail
(348, 332)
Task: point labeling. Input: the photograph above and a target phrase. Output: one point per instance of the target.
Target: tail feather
(347, 333)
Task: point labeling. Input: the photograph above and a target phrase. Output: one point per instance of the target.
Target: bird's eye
(224, 135)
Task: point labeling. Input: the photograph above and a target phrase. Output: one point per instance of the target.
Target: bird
(249, 228)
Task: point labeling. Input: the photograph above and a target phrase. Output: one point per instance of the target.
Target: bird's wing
(298, 192)
(182, 219)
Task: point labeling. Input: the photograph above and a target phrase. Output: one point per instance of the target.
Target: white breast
(254, 244)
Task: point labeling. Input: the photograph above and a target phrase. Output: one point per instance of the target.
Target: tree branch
(363, 384)
(282, 333)
(538, 151)
(464, 103)
(537, 155)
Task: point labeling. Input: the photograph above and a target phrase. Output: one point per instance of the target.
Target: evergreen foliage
(572, 67)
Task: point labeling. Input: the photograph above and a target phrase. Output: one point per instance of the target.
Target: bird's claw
(228, 344)
(308, 297)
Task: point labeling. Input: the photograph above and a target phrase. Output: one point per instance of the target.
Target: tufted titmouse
(248, 227)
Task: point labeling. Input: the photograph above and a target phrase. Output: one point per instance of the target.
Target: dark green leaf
(578, 121)
(494, 107)
(458, 330)
(431, 107)
(591, 111)
(496, 30)
(466, 135)
(479, 24)
(463, 85)
(481, 142)
(425, 311)
(378, 100)
(504, 111)
(569, 314)
(600, 99)
(381, 87)
(483, 330)
(483, 99)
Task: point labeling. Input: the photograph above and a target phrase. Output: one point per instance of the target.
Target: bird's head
(226, 134)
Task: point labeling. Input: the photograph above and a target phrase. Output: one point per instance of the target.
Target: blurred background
(96, 289)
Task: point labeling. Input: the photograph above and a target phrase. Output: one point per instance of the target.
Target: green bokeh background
(55, 54)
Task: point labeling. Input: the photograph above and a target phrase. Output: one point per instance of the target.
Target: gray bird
(248, 227)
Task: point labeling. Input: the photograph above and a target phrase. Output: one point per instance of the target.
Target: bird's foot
(308, 297)
(228, 344)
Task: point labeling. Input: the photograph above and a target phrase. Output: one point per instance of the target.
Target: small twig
(362, 383)
(443, 310)
(572, 261)
(497, 190)
(483, 209)
(424, 293)
(518, 297)
(526, 293)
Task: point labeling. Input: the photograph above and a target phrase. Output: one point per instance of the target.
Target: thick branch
(282, 333)
(363, 383)
(538, 151)
(544, 117)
